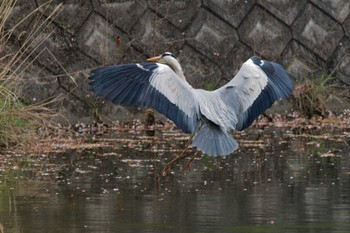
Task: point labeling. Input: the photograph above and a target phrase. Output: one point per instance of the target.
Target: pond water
(279, 181)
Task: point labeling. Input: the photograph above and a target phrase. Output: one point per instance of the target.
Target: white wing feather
(176, 90)
(224, 105)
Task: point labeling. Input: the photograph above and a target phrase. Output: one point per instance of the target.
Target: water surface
(279, 181)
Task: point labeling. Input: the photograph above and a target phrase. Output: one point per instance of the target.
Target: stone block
(231, 11)
(75, 61)
(317, 31)
(301, 62)
(341, 61)
(124, 14)
(74, 106)
(338, 9)
(179, 12)
(211, 36)
(230, 66)
(132, 55)
(38, 84)
(346, 26)
(97, 38)
(199, 70)
(286, 10)
(264, 33)
(48, 45)
(20, 11)
(336, 104)
(153, 35)
(78, 101)
(73, 15)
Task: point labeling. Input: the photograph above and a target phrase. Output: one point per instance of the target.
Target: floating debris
(329, 155)
(129, 142)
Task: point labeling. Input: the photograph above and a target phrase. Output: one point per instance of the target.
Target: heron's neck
(178, 70)
(180, 73)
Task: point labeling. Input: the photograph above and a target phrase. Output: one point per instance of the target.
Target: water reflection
(277, 182)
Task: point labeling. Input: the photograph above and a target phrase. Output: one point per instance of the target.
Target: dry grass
(310, 95)
(18, 120)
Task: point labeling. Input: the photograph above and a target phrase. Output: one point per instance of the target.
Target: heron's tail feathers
(211, 140)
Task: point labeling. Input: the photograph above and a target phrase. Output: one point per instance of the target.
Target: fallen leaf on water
(328, 155)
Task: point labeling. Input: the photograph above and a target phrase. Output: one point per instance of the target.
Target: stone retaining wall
(212, 38)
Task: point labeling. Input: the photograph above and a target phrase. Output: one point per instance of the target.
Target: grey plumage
(208, 115)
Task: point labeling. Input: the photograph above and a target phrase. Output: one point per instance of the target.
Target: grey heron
(209, 116)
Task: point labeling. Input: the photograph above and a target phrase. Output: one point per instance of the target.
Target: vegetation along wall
(212, 38)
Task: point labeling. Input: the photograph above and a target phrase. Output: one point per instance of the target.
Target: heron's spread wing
(257, 85)
(149, 84)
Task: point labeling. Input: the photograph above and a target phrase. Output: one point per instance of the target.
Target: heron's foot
(188, 165)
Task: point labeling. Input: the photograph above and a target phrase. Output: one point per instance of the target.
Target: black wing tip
(284, 80)
(97, 73)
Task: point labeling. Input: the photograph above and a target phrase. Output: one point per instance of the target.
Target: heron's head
(168, 59)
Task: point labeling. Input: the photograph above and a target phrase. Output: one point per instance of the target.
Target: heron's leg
(183, 155)
(169, 165)
(188, 165)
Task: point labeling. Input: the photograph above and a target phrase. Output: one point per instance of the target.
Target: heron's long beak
(154, 59)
